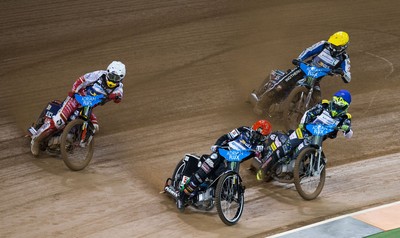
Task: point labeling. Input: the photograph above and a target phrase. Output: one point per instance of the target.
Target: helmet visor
(113, 77)
(339, 105)
(257, 136)
(336, 49)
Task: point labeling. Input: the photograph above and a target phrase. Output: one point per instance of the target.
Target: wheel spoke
(75, 155)
(309, 175)
(229, 199)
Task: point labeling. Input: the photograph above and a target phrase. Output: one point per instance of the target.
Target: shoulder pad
(348, 115)
(325, 101)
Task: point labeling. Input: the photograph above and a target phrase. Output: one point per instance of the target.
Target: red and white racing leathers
(97, 82)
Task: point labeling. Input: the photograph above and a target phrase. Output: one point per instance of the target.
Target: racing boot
(267, 162)
(186, 191)
(44, 131)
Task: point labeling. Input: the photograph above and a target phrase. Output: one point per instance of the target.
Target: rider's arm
(222, 140)
(345, 126)
(78, 85)
(82, 82)
(312, 50)
(345, 65)
(117, 94)
(230, 136)
(312, 113)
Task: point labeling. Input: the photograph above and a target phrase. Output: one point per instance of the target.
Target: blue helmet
(340, 103)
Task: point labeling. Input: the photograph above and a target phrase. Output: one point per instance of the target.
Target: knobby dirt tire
(178, 170)
(225, 184)
(65, 153)
(298, 166)
(177, 178)
(293, 109)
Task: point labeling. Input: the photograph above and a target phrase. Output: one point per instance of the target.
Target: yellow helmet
(338, 42)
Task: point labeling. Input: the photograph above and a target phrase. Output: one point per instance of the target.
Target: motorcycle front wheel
(308, 178)
(229, 198)
(75, 155)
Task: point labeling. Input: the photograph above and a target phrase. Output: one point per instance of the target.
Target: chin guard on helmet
(340, 103)
(263, 127)
(260, 130)
(116, 72)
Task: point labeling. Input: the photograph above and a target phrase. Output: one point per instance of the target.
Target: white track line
(333, 219)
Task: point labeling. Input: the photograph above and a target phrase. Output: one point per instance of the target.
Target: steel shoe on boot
(184, 194)
(181, 201)
(35, 147)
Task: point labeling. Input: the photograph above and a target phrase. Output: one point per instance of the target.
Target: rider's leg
(277, 150)
(95, 123)
(206, 169)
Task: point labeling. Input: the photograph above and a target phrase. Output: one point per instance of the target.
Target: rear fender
(193, 163)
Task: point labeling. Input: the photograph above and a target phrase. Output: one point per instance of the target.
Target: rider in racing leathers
(326, 112)
(328, 54)
(240, 138)
(107, 82)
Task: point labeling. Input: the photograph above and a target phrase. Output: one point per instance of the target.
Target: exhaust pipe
(171, 191)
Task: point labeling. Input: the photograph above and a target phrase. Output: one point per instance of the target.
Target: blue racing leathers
(321, 56)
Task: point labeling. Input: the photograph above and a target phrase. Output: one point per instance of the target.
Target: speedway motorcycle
(305, 167)
(281, 96)
(75, 141)
(225, 191)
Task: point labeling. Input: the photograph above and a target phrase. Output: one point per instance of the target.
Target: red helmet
(263, 127)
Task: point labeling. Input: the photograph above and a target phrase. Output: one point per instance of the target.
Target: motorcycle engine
(205, 195)
(205, 198)
(285, 168)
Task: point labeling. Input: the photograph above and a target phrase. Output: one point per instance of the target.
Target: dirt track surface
(190, 66)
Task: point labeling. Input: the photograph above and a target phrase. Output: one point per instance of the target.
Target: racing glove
(214, 148)
(115, 97)
(345, 128)
(296, 61)
(338, 71)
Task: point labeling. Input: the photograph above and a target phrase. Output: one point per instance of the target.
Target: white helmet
(115, 73)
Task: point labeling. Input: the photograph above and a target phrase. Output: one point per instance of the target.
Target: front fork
(311, 82)
(234, 166)
(308, 100)
(85, 115)
(319, 166)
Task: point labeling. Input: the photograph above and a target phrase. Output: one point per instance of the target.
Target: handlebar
(338, 71)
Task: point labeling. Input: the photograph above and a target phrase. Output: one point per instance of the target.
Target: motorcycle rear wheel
(308, 184)
(74, 156)
(229, 198)
(177, 174)
(177, 177)
(295, 107)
